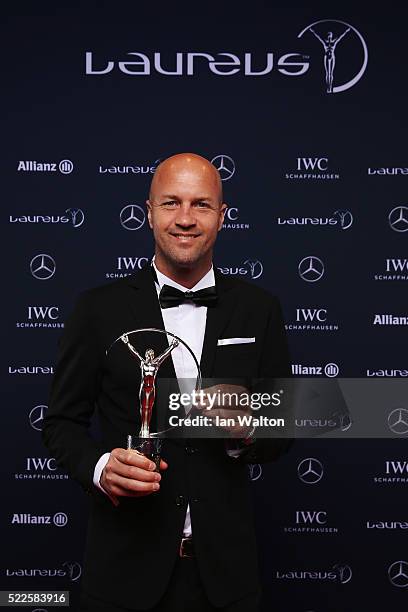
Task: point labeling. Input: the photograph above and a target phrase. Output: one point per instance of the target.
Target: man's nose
(185, 216)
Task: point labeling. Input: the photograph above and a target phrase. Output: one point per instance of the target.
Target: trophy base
(149, 447)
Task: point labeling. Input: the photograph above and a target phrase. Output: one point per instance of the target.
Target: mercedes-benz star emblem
(310, 470)
(398, 219)
(225, 166)
(398, 574)
(132, 217)
(42, 266)
(36, 417)
(311, 269)
(398, 421)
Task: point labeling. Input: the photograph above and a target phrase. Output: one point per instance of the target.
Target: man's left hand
(230, 410)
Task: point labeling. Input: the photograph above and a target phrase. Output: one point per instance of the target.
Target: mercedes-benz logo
(132, 217)
(398, 219)
(42, 266)
(398, 574)
(310, 470)
(73, 570)
(398, 421)
(311, 269)
(225, 166)
(255, 268)
(77, 216)
(255, 471)
(36, 417)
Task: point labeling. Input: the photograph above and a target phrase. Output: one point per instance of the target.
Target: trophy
(150, 443)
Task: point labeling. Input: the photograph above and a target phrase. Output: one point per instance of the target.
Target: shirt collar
(208, 280)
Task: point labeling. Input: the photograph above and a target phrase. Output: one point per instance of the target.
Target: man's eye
(169, 204)
(201, 204)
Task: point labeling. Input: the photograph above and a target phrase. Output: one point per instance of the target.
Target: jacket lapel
(145, 309)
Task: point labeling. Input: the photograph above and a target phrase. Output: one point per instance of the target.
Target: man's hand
(227, 409)
(130, 474)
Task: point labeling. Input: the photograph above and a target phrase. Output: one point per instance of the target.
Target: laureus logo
(333, 35)
(255, 471)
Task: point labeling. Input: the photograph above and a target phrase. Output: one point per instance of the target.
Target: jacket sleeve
(275, 370)
(73, 396)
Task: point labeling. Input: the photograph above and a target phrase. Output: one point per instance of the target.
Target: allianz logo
(387, 525)
(392, 171)
(330, 370)
(65, 166)
(127, 169)
(389, 319)
(59, 519)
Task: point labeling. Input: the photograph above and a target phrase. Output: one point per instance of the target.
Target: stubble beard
(177, 259)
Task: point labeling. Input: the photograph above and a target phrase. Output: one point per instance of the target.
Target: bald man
(181, 538)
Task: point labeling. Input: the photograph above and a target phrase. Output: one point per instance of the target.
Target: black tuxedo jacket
(131, 549)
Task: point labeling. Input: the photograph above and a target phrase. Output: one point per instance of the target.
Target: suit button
(190, 450)
(196, 500)
(179, 501)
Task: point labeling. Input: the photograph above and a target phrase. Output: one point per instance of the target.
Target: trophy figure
(149, 367)
(150, 443)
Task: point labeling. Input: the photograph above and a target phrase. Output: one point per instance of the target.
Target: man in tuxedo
(181, 538)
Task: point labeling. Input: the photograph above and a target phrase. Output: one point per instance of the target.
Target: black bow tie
(171, 296)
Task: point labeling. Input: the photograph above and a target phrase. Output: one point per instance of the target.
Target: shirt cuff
(97, 476)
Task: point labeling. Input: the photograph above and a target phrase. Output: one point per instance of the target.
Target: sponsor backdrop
(303, 111)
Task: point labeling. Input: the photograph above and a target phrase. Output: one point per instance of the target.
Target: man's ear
(223, 209)
(149, 213)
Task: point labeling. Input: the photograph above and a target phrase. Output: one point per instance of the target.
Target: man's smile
(184, 237)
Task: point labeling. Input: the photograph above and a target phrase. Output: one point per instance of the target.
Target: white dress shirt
(187, 321)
